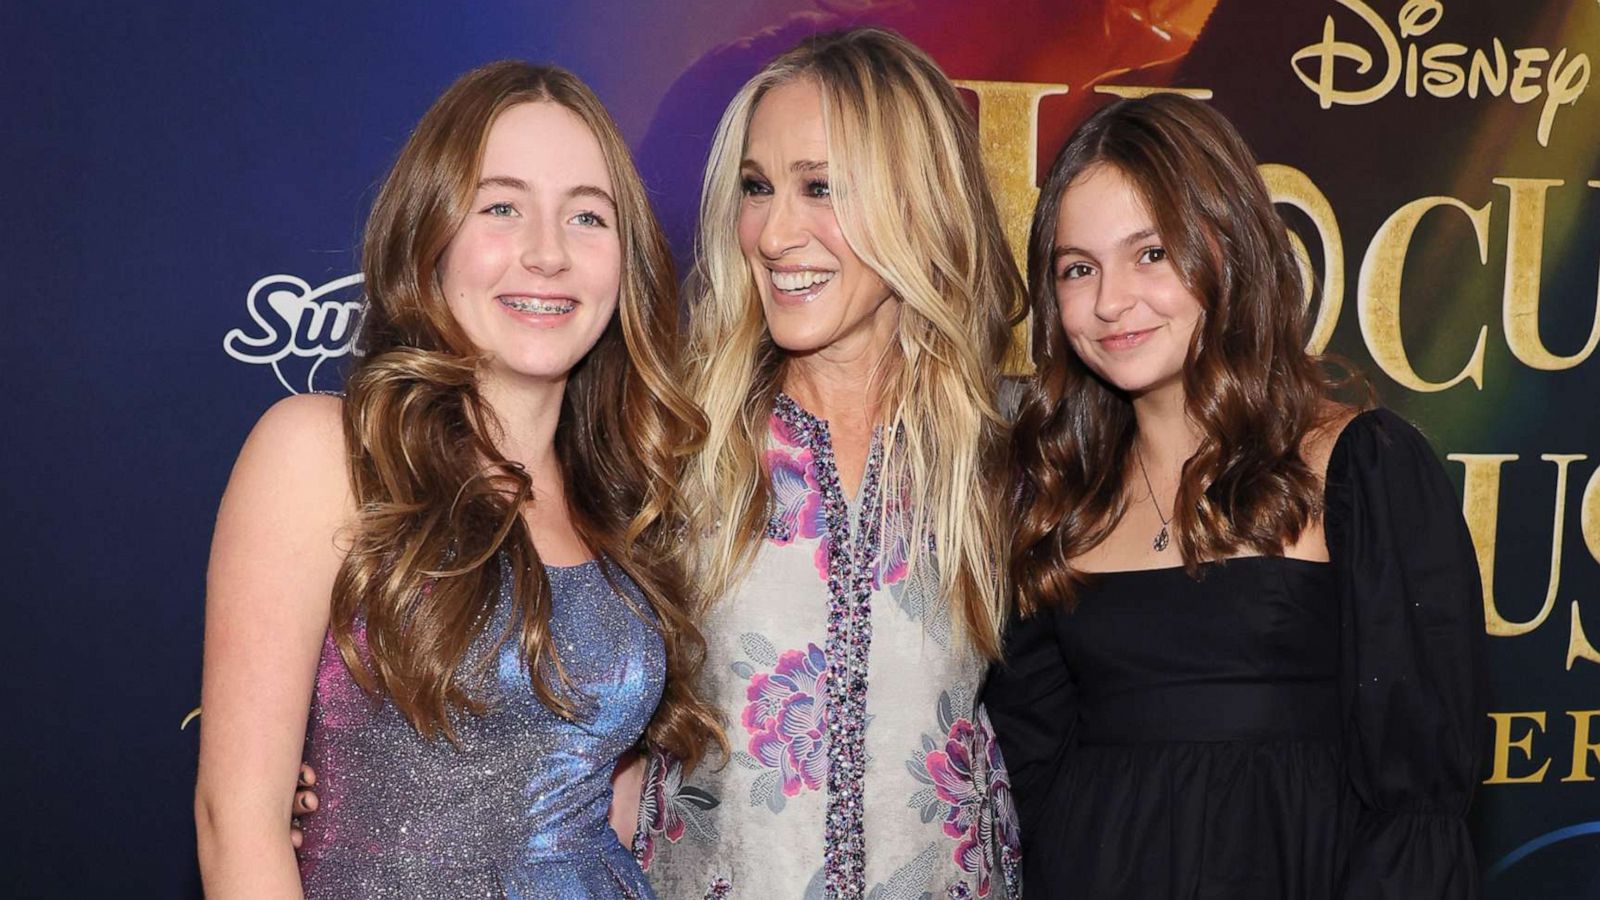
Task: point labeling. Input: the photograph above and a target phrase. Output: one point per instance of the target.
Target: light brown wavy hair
(439, 507)
(1248, 382)
(912, 199)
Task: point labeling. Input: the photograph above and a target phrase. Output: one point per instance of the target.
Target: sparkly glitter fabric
(520, 809)
(851, 566)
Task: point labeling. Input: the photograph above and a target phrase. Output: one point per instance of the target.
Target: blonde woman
(852, 299)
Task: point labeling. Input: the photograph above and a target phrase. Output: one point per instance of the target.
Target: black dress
(1277, 729)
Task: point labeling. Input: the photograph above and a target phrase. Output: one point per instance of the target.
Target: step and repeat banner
(186, 183)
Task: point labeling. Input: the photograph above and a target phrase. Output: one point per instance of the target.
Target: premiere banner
(188, 188)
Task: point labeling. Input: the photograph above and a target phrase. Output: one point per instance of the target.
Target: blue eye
(590, 219)
(500, 210)
(1152, 254)
(818, 189)
(754, 187)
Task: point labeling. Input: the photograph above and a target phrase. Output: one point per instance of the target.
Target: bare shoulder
(1317, 446)
(296, 450)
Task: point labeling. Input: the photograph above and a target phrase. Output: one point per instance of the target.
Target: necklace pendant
(1161, 541)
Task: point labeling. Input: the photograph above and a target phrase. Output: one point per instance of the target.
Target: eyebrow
(1057, 252)
(799, 166)
(517, 184)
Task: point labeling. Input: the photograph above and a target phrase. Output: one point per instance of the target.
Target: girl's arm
(273, 561)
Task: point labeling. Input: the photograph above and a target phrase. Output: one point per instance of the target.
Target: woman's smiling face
(815, 291)
(533, 273)
(1126, 312)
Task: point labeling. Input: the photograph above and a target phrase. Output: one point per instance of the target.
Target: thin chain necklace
(1162, 541)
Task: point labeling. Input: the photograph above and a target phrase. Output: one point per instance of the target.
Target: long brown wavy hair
(439, 507)
(1248, 382)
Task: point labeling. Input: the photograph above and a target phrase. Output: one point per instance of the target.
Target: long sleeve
(1412, 657)
(1031, 702)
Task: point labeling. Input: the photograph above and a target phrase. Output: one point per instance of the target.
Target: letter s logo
(294, 320)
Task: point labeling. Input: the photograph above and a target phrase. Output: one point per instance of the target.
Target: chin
(798, 333)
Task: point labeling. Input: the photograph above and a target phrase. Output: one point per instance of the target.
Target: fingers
(308, 775)
(304, 802)
(296, 836)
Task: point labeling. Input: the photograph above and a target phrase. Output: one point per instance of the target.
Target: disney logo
(1443, 70)
(293, 320)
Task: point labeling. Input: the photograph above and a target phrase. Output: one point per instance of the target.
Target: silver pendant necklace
(1162, 541)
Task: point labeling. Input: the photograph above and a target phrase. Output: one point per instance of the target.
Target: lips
(1124, 340)
(801, 285)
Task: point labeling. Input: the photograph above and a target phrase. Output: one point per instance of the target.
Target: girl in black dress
(1247, 660)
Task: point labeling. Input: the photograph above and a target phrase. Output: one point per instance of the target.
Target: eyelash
(1147, 256)
(815, 189)
(510, 209)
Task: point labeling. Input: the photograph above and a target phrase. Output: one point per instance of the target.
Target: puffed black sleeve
(1032, 704)
(1412, 649)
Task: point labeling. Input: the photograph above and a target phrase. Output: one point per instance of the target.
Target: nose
(781, 229)
(544, 248)
(1114, 297)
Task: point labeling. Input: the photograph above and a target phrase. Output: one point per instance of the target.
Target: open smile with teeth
(801, 283)
(538, 306)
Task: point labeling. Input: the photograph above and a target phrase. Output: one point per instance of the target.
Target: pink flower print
(787, 719)
(894, 555)
(969, 775)
(666, 806)
(796, 497)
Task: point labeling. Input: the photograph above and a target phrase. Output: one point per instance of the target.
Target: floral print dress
(861, 765)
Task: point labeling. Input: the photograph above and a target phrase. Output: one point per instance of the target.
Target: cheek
(751, 220)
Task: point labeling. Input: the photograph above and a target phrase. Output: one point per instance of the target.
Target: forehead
(787, 124)
(1100, 207)
(545, 144)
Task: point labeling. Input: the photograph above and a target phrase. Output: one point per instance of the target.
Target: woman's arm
(1412, 643)
(273, 562)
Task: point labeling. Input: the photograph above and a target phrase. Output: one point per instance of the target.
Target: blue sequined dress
(518, 810)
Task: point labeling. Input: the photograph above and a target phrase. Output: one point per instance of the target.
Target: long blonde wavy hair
(439, 505)
(913, 203)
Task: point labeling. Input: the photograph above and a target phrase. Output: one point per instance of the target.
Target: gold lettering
(1480, 506)
(1378, 293)
(1527, 69)
(1289, 185)
(1495, 78)
(1582, 746)
(1443, 79)
(1524, 259)
(1135, 91)
(1008, 130)
(1565, 85)
(1330, 50)
(1503, 745)
(1578, 646)
(1411, 70)
(1417, 17)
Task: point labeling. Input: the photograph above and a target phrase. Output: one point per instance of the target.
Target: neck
(1167, 436)
(527, 411)
(842, 383)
